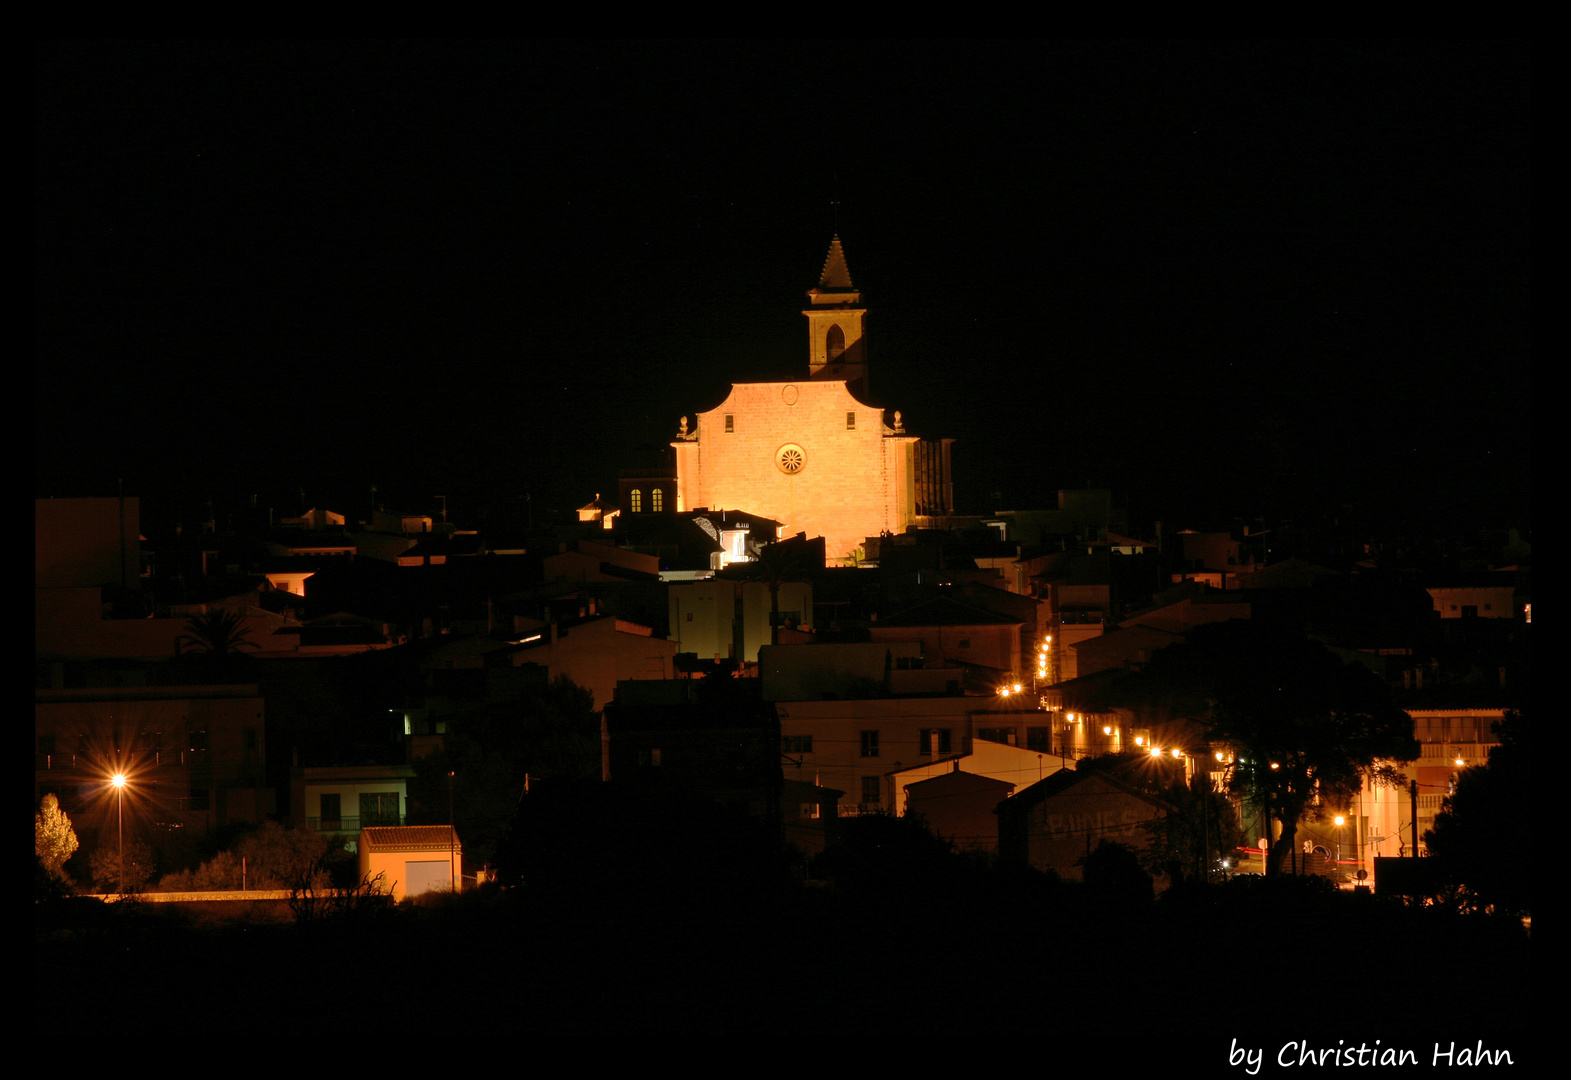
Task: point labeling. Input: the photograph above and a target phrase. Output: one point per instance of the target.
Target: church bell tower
(836, 348)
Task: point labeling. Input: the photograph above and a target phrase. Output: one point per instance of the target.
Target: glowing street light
(118, 780)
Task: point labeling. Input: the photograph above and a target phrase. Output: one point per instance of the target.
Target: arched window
(835, 344)
(635, 501)
(657, 500)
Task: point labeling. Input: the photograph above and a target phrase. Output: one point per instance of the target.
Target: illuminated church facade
(812, 453)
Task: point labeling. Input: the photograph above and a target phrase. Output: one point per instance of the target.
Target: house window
(252, 739)
(869, 744)
(332, 810)
(797, 744)
(872, 790)
(1038, 738)
(635, 501)
(200, 799)
(730, 423)
(378, 808)
(997, 734)
(657, 500)
(46, 744)
(199, 740)
(649, 758)
(935, 740)
(850, 421)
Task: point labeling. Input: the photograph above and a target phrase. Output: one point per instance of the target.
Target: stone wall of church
(788, 451)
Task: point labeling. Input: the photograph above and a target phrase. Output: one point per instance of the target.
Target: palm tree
(217, 633)
(778, 563)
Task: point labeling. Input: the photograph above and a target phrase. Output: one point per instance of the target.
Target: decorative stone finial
(898, 425)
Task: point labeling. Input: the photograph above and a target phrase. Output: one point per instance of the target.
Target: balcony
(353, 824)
(97, 765)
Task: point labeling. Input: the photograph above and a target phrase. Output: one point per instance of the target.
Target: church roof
(836, 276)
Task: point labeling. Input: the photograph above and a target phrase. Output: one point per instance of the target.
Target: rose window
(790, 458)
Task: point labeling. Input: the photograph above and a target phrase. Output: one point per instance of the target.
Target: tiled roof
(409, 838)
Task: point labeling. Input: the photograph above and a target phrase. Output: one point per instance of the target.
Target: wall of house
(1015, 765)
(596, 654)
(959, 807)
(809, 672)
(703, 617)
(838, 758)
(397, 873)
(795, 596)
(1483, 602)
(349, 792)
(1064, 829)
(994, 645)
(194, 754)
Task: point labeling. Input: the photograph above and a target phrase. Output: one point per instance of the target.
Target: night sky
(1221, 278)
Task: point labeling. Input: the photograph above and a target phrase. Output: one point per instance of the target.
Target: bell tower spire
(836, 349)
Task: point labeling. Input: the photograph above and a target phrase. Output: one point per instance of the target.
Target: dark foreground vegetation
(704, 928)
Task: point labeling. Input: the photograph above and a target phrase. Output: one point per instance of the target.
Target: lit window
(657, 500)
(635, 501)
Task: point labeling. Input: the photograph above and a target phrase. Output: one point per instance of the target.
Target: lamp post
(1340, 821)
(118, 780)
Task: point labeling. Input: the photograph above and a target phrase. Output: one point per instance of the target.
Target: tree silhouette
(552, 733)
(1306, 729)
(109, 876)
(778, 563)
(1483, 834)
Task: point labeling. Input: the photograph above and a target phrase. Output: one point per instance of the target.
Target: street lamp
(1340, 821)
(118, 780)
